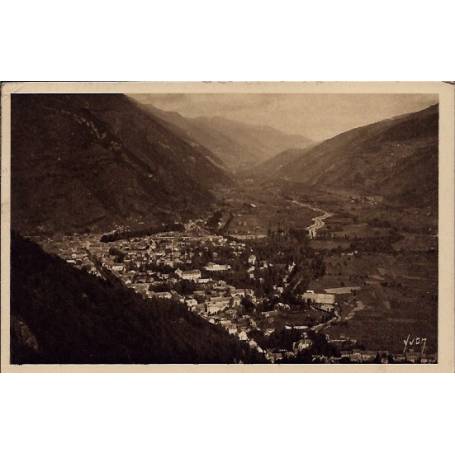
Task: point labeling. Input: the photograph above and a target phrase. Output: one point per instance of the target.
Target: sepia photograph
(227, 226)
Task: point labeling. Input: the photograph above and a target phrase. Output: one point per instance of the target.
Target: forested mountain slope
(98, 160)
(396, 158)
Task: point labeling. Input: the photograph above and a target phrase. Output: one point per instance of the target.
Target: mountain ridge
(396, 158)
(236, 144)
(100, 160)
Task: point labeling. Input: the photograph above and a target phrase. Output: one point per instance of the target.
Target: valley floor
(357, 287)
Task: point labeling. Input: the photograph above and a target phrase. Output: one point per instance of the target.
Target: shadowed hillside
(272, 167)
(395, 158)
(98, 160)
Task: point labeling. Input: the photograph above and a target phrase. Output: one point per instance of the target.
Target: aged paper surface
(445, 233)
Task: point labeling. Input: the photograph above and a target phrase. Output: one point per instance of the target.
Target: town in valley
(291, 291)
(284, 228)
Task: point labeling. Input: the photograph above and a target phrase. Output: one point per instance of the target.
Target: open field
(257, 210)
(389, 252)
(398, 277)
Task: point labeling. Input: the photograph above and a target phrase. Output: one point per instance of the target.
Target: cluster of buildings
(173, 267)
(161, 266)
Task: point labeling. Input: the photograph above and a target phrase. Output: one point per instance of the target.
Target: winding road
(318, 221)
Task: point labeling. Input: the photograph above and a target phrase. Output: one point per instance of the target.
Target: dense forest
(60, 314)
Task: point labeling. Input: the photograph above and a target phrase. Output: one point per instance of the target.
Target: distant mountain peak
(238, 145)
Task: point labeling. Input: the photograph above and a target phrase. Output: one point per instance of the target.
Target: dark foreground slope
(63, 315)
(395, 158)
(98, 160)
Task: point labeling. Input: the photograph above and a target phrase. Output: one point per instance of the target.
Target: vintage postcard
(239, 227)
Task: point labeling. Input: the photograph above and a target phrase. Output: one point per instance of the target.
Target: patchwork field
(389, 253)
(398, 280)
(259, 210)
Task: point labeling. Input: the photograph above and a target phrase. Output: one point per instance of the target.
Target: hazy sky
(317, 116)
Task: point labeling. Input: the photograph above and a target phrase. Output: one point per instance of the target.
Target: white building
(162, 295)
(191, 275)
(190, 303)
(343, 290)
(212, 267)
(319, 298)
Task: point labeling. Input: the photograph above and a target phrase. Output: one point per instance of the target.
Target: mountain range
(96, 161)
(237, 145)
(99, 160)
(396, 158)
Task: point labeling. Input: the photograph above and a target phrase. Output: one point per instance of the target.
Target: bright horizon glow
(316, 116)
